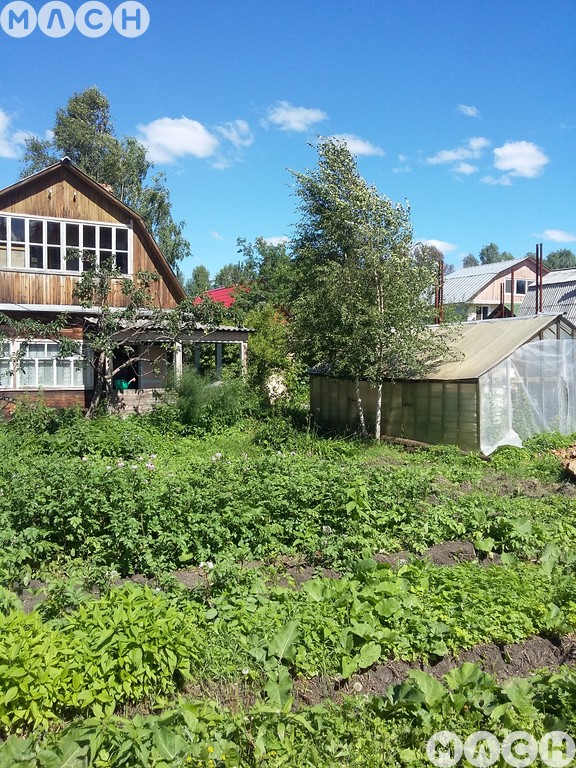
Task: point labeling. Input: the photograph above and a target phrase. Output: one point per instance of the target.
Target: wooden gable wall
(63, 194)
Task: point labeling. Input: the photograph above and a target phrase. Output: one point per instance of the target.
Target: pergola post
(244, 357)
(218, 359)
(178, 361)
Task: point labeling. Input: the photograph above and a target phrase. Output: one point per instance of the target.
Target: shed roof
(558, 294)
(461, 286)
(481, 345)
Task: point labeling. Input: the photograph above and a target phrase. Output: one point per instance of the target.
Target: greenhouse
(507, 379)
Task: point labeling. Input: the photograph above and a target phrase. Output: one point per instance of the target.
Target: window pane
(36, 350)
(520, 286)
(3, 228)
(106, 260)
(45, 373)
(121, 239)
(17, 256)
(18, 230)
(82, 372)
(508, 286)
(90, 259)
(54, 257)
(36, 256)
(54, 233)
(72, 259)
(122, 262)
(52, 350)
(63, 373)
(5, 373)
(36, 234)
(27, 373)
(3, 255)
(106, 238)
(72, 235)
(89, 236)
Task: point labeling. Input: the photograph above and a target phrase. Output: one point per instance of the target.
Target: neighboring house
(558, 295)
(478, 290)
(43, 219)
(225, 296)
(505, 381)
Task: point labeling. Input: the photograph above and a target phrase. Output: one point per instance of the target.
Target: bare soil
(500, 661)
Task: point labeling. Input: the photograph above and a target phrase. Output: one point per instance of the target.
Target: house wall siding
(491, 293)
(63, 195)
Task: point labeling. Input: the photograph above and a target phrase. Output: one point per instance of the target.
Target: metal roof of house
(461, 286)
(558, 295)
(481, 345)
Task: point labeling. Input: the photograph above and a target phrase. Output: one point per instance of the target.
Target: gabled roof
(224, 296)
(164, 268)
(481, 345)
(461, 286)
(558, 294)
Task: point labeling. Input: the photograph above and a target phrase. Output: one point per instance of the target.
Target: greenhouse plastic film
(532, 391)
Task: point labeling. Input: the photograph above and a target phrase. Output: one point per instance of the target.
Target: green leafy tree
(240, 273)
(272, 268)
(84, 132)
(470, 261)
(561, 259)
(199, 282)
(362, 300)
(491, 254)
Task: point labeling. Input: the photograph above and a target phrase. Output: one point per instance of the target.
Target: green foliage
(207, 404)
(90, 501)
(491, 254)
(563, 258)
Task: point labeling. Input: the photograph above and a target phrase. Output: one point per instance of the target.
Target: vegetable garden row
(113, 669)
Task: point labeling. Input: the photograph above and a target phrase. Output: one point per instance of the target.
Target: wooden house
(490, 290)
(58, 213)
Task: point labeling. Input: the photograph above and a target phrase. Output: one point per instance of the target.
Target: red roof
(221, 295)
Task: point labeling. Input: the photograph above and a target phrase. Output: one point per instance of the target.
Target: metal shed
(507, 379)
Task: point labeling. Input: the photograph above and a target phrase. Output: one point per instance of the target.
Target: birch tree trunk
(363, 429)
(378, 411)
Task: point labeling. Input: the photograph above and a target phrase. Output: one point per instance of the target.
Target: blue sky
(465, 108)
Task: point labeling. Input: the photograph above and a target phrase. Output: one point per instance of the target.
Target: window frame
(13, 380)
(49, 248)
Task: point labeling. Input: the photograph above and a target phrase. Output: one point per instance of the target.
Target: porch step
(133, 401)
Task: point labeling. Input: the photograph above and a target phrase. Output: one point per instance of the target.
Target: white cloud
(440, 244)
(520, 158)
(558, 236)
(11, 142)
(216, 235)
(237, 132)
(466, 168)
(287, 117)
(471, 150)
(505, 181)
(277, 240)
(168, 139)
(468, 111)
(358, 146)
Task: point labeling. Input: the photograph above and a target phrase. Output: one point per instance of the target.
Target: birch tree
(363, 301)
